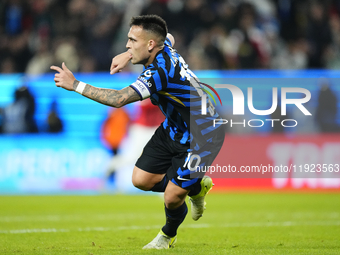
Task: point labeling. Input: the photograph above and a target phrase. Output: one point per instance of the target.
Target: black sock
(174, 218)
(160, 186)
(195, 189)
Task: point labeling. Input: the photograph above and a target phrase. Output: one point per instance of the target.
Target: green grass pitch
(234, 223)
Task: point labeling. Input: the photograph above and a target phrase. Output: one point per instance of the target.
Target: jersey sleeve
(149, 81)
(168, 42)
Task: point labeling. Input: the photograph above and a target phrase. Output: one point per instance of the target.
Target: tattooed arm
(111, 97)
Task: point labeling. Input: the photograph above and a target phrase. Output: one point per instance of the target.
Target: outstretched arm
(111, 97)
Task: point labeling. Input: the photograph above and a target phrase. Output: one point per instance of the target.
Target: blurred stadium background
(52, 141)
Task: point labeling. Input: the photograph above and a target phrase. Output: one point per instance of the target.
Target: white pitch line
(24, 218)
(34, 230)
(76, 217)
(281, 224)
(230, 225)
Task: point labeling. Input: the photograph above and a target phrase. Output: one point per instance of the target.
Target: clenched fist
(119, 62)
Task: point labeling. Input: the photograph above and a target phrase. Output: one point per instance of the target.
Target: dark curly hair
(151, 23)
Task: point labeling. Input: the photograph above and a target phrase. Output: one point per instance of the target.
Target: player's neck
(152, 57)
(149, 62)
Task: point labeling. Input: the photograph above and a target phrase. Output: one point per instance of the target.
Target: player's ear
(151, 45)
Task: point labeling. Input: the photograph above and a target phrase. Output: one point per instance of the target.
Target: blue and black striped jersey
(170, 84)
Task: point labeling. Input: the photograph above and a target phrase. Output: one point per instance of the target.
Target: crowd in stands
(214, 34)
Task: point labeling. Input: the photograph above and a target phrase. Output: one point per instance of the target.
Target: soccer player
(186, 140)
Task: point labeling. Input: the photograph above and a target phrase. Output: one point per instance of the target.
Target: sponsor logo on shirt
(145, 81)
(147, 73)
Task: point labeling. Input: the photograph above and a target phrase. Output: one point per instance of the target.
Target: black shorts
(162, 155)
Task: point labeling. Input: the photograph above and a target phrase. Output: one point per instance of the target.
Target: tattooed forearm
(75, 84)
(110, 97)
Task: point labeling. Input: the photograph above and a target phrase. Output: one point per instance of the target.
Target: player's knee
(144, 180)
(174, 196)
(140, 183)
(172, 201)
